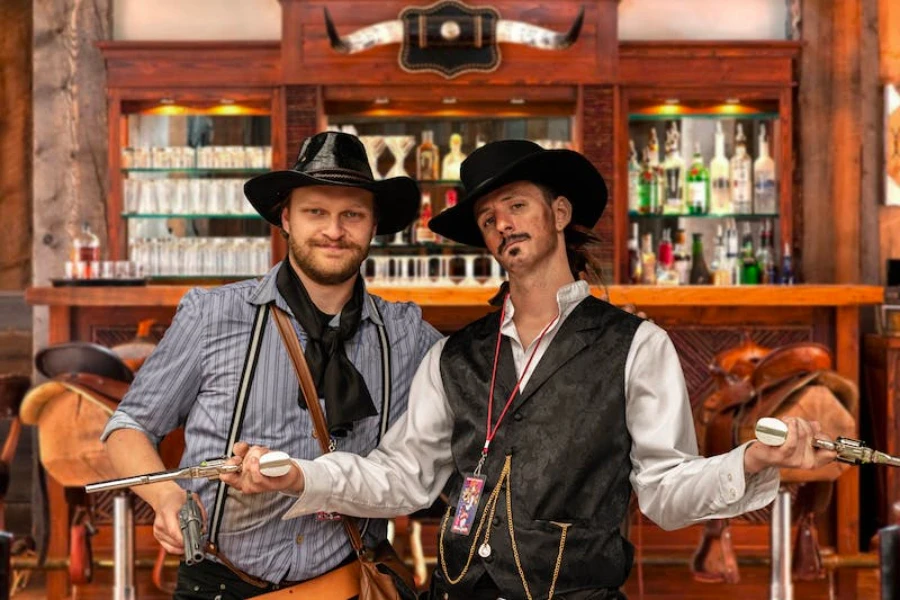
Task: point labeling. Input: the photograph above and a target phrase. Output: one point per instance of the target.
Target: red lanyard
(491, 432)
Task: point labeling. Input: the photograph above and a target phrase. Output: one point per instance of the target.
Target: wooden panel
(15, 144)
(666, 64)
(889, 40)
(192, 64)
(309, 58)
(690, 296)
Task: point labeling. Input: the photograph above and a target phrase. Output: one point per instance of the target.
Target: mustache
(343, 244)
(514, 237)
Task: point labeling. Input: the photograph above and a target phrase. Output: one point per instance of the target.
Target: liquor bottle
(423, 234)
(786, 276)
(85, 255)
(721, 270)
(741, 177)
(763, 257)
(634, 179)
(648, 188)
(453, 160)
(648, 260)
(652, 150)
(665, 272)
(427, 158)
(749, 267)
(673, 173)
(682, 257)
(765, 198)
(634, 257)
(720, 203)
(732, 246)
(698, 185)
(699, 270)
(480, 140)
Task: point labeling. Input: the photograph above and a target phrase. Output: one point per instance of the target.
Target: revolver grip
(189, 520)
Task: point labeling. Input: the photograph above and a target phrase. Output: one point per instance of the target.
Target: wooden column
(70, 158)
(15, 144)
(598, 126)
(889, 61)
(845, 139)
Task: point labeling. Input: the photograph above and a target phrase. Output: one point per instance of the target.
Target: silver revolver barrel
(208, 469)
(191, 521)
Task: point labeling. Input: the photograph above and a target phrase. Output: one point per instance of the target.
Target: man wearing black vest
(544, 415)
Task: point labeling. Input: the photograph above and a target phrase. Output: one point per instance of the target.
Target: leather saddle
(86, 383)
(752, 382)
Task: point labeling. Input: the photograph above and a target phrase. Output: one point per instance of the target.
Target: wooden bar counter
(701, 320)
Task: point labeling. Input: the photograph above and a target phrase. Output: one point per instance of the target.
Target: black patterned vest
(566, 447)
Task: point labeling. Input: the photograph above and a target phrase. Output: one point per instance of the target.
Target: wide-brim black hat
(335, 158)
(496, 164)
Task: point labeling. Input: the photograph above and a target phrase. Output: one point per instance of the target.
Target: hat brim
(397, 200)
(567, 172)
(82, 357)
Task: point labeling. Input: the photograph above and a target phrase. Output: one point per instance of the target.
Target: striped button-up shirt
(191, 380)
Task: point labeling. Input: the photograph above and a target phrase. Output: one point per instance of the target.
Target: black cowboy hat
(335, 158)
(496, 164)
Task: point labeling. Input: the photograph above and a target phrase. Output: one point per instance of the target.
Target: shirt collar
(267, 291)
(567, 298)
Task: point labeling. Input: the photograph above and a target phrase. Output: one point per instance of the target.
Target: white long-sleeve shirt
(675, 486)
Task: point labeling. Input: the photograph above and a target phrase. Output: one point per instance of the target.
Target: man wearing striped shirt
(222, 356)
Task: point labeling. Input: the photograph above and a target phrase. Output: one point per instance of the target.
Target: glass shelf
(703, 115)
(247, 171)
(190, 216)
(634, 215)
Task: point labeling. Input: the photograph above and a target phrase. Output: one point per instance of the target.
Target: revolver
(773, 432)
(208, 469)
(190, 521)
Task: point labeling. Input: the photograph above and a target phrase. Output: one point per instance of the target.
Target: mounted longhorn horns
(511, 32)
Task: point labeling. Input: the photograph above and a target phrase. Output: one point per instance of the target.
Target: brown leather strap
(339, 584)
(245, 577)
(308, 387)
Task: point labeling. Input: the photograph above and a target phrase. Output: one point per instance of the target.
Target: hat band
(343, 175)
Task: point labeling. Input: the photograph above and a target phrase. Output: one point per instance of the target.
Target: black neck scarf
(346, 396)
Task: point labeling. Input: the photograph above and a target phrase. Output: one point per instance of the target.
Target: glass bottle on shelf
(741, 177)
(666, 273)
(682, 257)
(427, 158)
(766, 255)
(732, 246)
(454, 158)
(786, 276)
(648, 189)
(634, 257)
(674, 173)
(85, 255)
(648, 260)
(750, 274)
(721, 271)
(652, 152)
(423, 233)
(699, 270)
(480, 141)
(698, 185)
(765, 198)
(720, 201)
(634, 179)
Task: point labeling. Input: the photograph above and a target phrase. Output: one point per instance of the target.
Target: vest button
(518, 416)
(489, 558)
(496, 521)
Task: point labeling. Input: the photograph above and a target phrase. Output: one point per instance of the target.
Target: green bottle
(698, 185)
(699, 271)
(750, 274)
(648, 188)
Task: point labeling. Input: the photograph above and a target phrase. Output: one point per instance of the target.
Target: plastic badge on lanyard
(473, 486)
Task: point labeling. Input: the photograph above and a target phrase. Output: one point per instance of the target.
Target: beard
(327, 271)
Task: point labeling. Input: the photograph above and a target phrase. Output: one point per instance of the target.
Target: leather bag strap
(308, 387)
